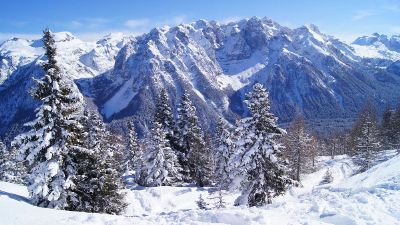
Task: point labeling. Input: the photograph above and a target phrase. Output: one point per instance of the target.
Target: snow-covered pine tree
(314, 150)
(217, 199)
(53, 135)
(298, 149)
(220, 203)
(327, 178)
(257, 162)
(11, 169)
(133, 148)
(201, 203)
(223, 151)
(5, 163)
(98, 182)
(388, 129)
(193, 158)
(163, 113)
(160, 165)
(366, 137)
(396, 128)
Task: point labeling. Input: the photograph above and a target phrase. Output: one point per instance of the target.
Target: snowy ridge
(378, 46)
(217, 63)
(79, 59)
(371, 197)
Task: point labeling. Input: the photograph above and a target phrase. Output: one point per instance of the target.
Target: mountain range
(303, 69)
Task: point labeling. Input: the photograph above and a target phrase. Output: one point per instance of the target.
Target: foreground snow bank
(372, 197)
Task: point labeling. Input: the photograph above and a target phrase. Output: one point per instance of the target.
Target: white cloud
(96, 28)
(230, 19)
(176, 20)
(362, 14)
(137, 23)
(144, 25)
(87, 23)
(75, 24)
(94, 23)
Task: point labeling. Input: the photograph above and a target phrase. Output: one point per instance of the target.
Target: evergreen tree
(220, 203)
(11, 169)
(218, 200)
(224, 150)
(366, 137)
(133, 148)
(396, 128)
(4, 163)
(201, 203)
(160, 165)
(194, 157)
(257, 162)
(298, 149)
(163, 113)
(98, 181)
(388, 130)
(314, 150)
(53, 135)
(327, 178)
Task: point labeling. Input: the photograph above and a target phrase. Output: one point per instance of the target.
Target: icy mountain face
(78, 58)
(20, 60)
(302, 68)
(378, 46)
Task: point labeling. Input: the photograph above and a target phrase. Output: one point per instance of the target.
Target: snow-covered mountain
(78, 58)
(378, 46)
(20, 60)
(302, 68)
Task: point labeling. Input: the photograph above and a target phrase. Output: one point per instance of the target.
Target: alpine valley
(303, 69)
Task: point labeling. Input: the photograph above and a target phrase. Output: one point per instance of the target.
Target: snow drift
(372, 197)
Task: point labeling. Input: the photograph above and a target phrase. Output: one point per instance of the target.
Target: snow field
(372, 197)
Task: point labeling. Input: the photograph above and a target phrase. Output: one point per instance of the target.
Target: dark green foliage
(98, 181)
(194, 156)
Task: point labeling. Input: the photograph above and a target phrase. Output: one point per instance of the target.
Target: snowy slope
(372, 197)
(378, 46)
(78, 58)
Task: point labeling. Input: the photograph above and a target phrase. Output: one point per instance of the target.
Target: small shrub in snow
(327, 177)
(201, 203)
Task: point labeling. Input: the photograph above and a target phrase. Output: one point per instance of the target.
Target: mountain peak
(312, 27)
(64, 36)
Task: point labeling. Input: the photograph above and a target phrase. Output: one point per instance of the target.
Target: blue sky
(91, 19)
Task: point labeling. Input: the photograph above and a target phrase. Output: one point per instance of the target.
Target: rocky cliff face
(302, 68)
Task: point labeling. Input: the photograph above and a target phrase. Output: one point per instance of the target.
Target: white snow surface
(120, 100)
(77, 58)
(378, 50)
(372, 197)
